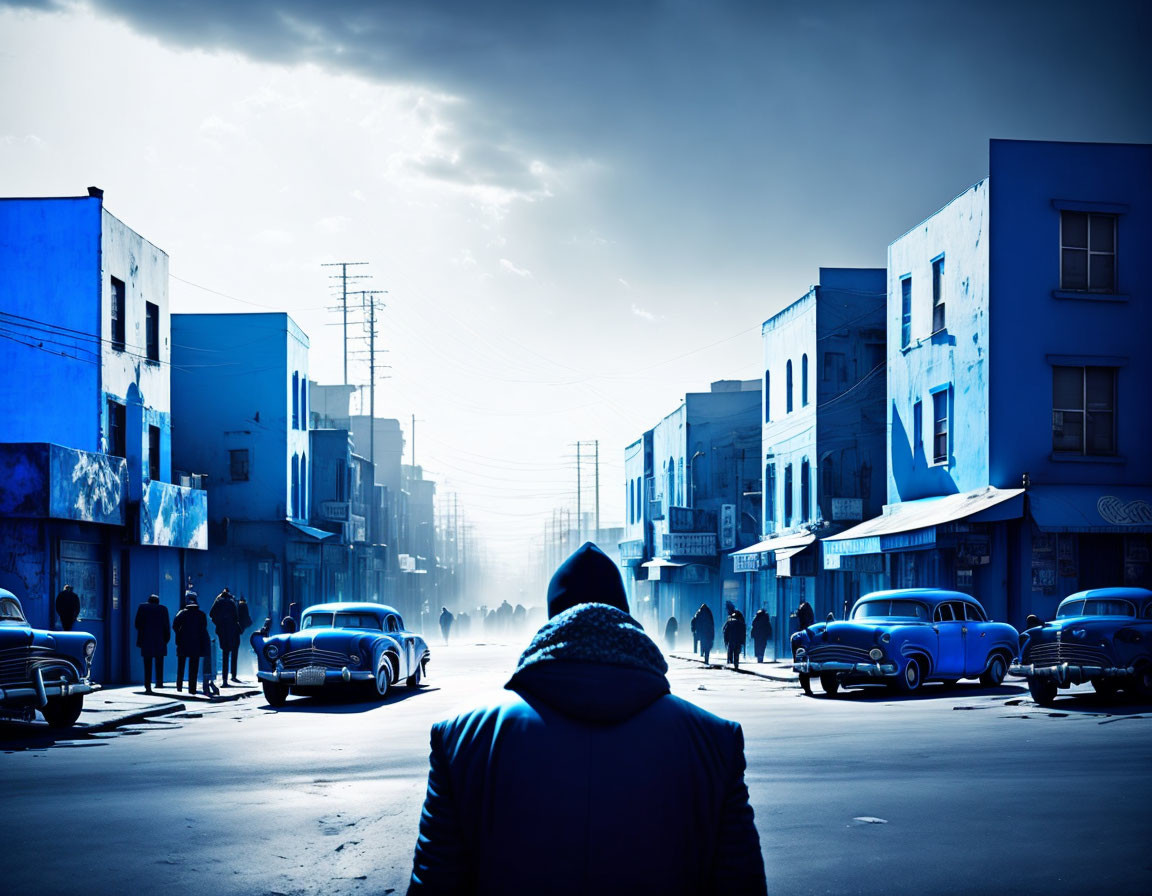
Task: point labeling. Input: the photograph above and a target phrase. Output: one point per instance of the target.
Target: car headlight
(876, 654)
(353, 659)
(271, 651)
(885, 638)
(89, 649)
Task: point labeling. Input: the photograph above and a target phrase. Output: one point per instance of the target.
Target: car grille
(1055, 653)
(310, 656)
(837, 653)
(18, 663)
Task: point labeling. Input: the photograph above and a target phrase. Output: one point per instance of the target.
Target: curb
(743, 670)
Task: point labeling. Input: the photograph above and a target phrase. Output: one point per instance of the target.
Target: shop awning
(912, 524)
(1091, 508)
(781, 547)
(310, 531)
(660, 562)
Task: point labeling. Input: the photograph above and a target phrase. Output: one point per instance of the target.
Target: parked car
(339, 645)
(42, 670)
(1103, 635)
(905, 637)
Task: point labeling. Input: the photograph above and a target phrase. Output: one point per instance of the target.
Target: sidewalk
(774, 670)
(122, 704)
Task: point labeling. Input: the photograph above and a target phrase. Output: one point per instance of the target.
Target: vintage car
(905, 637)
(1103, 635)
(40, 670)
(338, 645)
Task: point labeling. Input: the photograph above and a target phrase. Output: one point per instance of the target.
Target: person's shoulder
(501, 706)
(697, 714)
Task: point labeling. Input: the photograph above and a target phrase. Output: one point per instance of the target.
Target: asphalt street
(966, 790)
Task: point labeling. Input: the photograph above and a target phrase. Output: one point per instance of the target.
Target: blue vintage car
(40, 670)
(905, 637)
(1103, 635)
(338, 645)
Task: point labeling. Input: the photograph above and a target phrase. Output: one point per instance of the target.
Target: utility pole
(413, 444)
(369, 302)
(343, 277)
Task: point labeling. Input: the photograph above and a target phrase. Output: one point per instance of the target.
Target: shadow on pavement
(930, 691)
(346, 704)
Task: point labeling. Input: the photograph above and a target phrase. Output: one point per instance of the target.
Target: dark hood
(592, 663)
(588, 576)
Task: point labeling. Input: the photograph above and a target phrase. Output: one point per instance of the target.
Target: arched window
(670, 494)
(295, 399)
(788, 388)
(805, 491)
(787, 495)
(304, 486)
(294, 509)
(680, 483)
(769, 495)
(767, 398)
(630, 497)
(804, 381)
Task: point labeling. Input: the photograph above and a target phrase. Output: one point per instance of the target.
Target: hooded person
(587, 775)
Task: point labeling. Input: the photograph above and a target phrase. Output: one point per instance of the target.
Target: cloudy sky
(579, 211)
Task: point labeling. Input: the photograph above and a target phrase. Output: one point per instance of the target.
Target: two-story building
(1019, 466)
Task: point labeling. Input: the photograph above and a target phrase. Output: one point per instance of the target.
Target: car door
(392, 626)
(950, 630)
(976, 644)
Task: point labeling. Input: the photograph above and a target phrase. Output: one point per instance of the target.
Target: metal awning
(912, 524)
(658, 562)
(310, 531)
(799, 540)
(1091, 508)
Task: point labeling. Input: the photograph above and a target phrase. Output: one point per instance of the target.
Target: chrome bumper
(1066, 673)
(41, 691)
(872, 670)
(331, 676)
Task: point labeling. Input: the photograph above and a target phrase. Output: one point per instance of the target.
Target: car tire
(383, 680)
(275, 693)
(911, 678)
(1043, 690)
(413, 680)
(830, 682)
(993, 675)
(62, 712)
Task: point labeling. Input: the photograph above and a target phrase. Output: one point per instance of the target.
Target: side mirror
(1033, 621)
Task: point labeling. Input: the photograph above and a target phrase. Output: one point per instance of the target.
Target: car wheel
(909, 680)
(383, 680)
(830, 681)
(62, 712)
(413, 680)
(275, 693)
(993, 676)
(1043, 690)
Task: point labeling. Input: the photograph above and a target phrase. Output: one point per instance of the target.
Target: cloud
(334, 224)
(512, 269)
(643, 314)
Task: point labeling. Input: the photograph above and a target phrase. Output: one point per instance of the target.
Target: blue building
(1019, 425)
(822, 443)
(635, 545)
(89, 497)
(699, 502)
(240, 391)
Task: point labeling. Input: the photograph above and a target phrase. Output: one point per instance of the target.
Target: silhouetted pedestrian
(446, 618)
(705, 628)
(68, 608)
(734, 632)
(152, 636)
(191, 628)
(805, 616)
(579, 718)
(226, 618)
(761, 633)
(670, 629)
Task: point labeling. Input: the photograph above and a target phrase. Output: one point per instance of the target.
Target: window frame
(906, 311)
(941, 396)
(788, 383)
(1084, 412)
(939, 314)
(804, 380)
(1089, 252)
(234, 454)
(154, 453)
(152, 332)
(119, 312)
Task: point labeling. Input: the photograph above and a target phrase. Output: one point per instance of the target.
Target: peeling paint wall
(172, 516)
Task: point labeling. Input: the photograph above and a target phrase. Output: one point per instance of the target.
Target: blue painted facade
(84, 312)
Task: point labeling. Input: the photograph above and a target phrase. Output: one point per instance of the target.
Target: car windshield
(10, 611)
(342, 620)
(891, 609)
(1095, 607)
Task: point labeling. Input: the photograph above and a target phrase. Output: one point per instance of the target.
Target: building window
(787, 495)
(906, 312)
(680, 483)
(238, 464)
(154, 453)
(628, 499)
(938, 319)
(788, 389)
(917, 427)
(940, 427)
(769, 494)
(304, 486)
(152, 331)
(304, 402)
(1084, 410)
(1087, 252)
(118, 314)
(767, 398)
(835, 368)
(117, 444)
(805, 491)
(295, 486)
(804, 381)
(295, 400)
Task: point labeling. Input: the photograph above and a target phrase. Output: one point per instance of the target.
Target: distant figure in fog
(226, 618)
(735, 633)
(519, 617)
(761, 633)
(583, 803)
(504, 617)
(153, 633)
(68, 608)
(670, 629)
(191, 628)
(704, 628)
(445, 623)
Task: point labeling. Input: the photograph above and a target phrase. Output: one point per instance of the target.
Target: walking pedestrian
(670, 629)
(191, 628)
(585, 804)
(734, 632)
(705, 628)
(68, 608)
(695, 637)
(153, 633)
(761, 633)
(226, 618)
(446, 618)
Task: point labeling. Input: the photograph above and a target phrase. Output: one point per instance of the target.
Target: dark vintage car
(41, 670)
(339, 645)
(1103, 635)
(905, 637)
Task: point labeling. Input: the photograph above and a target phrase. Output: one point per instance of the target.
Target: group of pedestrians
(735, 633)
(229, 616)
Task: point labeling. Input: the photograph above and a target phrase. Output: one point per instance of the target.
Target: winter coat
(243, 617)
(671, 627)
(735, 631)
(227, 621)
(761, 627)
(445, 620)
(191, 627)
(804, 615)
(152, 629)
(588, 776)
(704, 625)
